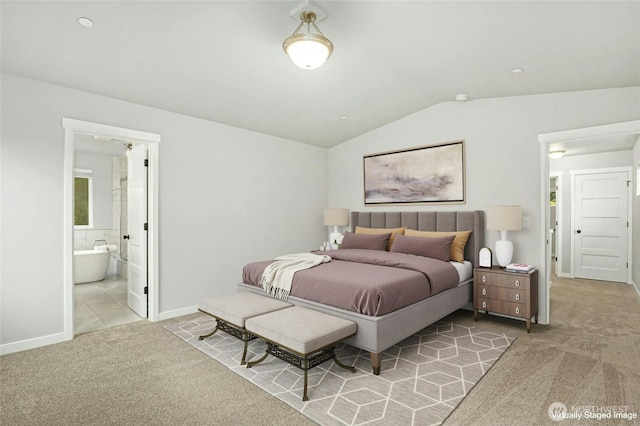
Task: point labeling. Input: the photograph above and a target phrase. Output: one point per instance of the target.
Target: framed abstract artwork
(426, 174)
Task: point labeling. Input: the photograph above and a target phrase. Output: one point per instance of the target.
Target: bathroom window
(83, 202)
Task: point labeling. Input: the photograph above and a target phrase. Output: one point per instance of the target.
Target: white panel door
(137, 218)
(601, 227)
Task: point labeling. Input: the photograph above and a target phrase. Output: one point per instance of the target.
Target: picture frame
(420, 175)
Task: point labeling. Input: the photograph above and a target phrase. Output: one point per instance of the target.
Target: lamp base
(333, 237)
(504, 252)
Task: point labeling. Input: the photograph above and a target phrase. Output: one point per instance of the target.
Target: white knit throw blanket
(277, 277)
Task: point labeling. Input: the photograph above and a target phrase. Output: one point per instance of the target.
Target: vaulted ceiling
(223, 60)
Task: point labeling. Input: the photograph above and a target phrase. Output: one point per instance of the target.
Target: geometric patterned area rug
(422, 379)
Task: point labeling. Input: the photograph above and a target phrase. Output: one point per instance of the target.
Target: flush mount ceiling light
(558, 153)
(85, 22)
(308, 49)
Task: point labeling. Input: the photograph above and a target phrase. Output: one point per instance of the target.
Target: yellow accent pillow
(459, 242)
(392, 231)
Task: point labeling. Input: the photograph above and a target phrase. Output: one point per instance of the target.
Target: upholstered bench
(231, 312)
(302, 337)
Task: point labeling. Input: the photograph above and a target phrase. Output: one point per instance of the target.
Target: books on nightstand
(522, 268)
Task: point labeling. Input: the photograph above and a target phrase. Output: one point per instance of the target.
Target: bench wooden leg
(376, 362)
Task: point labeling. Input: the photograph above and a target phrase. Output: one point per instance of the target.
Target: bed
(379, 330)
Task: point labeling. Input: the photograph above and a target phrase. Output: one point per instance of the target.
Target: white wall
(502, 151)
(227, 196)
(102, 178)
(579, 162)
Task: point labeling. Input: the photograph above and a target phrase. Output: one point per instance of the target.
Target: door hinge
(146, 290)
(146, 162)
(146, 226)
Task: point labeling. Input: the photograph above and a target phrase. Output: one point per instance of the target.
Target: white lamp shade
(308, 51)
(504, 218)
(336, 217)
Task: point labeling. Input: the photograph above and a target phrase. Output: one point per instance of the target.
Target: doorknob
(578, 231)
(126, 237)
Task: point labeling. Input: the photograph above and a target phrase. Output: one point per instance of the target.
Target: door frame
(629, 171)
(545, 140)
(152, 140)
(559, 228)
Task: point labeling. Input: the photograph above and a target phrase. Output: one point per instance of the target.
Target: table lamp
(335, 218)
(503, 219)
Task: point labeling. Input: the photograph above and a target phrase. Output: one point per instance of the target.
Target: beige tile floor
(101, 304)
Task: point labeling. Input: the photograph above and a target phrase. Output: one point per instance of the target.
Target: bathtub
(90, 265)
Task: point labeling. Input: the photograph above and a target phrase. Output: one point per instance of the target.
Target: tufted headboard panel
(430, 221)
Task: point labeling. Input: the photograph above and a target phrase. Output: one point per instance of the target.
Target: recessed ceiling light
(462, 97)
(517, 70)
(85, 22)
(344, 117)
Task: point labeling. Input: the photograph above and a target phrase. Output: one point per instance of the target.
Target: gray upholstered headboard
(430, 221)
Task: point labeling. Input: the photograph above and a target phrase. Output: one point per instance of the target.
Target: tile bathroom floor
(101, 304)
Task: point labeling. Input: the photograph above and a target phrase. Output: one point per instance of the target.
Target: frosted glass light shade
(308, 51)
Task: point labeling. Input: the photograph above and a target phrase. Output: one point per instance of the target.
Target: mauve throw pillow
(365, 241)
(436, 248)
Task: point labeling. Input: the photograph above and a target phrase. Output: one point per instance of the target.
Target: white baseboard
(565, 275)
(36, 342)
(177, 312)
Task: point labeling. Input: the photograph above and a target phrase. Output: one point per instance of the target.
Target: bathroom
(100, 249)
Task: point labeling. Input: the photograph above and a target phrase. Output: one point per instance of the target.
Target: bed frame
(376, 334)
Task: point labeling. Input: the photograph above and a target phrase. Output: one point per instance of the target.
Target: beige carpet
(140, 374)
(423, 377)
(133, 374)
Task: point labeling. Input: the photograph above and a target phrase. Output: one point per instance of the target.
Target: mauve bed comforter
(368, 282)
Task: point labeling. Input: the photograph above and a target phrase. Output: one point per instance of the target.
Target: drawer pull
(484, 279)
(484, 291)
(517, 310)
(484, 304)
(517, 296)
(517, 283)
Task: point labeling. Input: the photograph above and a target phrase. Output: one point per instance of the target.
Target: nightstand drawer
(504, 280)
(502, 307)
(502, 293)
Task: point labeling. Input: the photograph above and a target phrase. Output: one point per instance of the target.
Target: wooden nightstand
(507, 293)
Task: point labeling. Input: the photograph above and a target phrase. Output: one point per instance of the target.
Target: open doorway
(146, 285)
(100, 243)
(597, 135)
